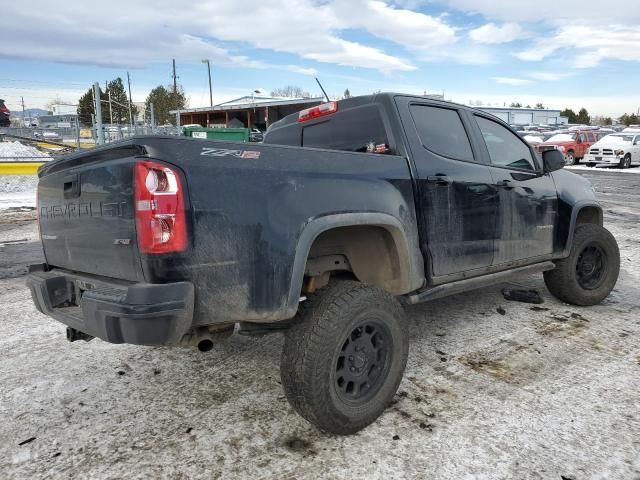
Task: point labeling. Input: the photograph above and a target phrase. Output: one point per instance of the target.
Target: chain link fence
(86, 136)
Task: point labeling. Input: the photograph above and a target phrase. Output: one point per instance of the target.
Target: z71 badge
(223, 152)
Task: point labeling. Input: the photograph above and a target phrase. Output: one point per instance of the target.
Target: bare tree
(290, 91)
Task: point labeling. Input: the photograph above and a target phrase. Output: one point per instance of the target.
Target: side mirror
(552, 160)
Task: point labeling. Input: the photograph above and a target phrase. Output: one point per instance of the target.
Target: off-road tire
(314, 347)
(565, 282)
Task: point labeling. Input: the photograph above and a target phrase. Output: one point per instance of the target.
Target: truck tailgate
(87, 218)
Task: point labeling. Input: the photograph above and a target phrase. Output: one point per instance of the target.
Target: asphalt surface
(493, 389)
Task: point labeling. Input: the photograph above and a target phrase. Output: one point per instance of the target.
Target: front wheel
(344, 357)
(570, 158)
(589, 273)
(626, 161)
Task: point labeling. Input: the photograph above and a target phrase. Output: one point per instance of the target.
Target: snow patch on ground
(19, 190)
(620, 170)
(17, 152)
(18, 199)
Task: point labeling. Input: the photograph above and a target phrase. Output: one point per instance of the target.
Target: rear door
(87, 218)
(583, 144)
(526, 196)
(455, 196)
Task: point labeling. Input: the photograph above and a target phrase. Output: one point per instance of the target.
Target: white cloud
(512, 81)
(557, 11)
(588, 44)
(413, 30)
(493, 34)
(550, 76)
(147, 32)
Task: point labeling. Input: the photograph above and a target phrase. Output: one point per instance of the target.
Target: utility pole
(96, 95)
(175, 83)
(130, 112)
(210, 90)
(24, 124)
(175, 93)
(110, 107)
(153, 116)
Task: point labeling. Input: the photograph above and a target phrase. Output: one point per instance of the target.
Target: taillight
(317, 111)
(4, 109)
(159, 203)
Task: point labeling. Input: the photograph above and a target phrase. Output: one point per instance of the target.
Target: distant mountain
(29, 112)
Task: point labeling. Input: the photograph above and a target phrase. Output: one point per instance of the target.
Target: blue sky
(564, 54)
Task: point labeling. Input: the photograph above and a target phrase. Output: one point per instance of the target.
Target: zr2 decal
(222, 152)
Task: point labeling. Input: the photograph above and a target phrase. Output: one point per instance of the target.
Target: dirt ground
(493, 389)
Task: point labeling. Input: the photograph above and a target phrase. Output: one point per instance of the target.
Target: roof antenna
(320, 85)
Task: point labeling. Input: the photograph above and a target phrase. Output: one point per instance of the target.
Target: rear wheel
(344, 357)
(589, 273)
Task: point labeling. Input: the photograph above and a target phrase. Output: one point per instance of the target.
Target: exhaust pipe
(204, 340)
(74, 335)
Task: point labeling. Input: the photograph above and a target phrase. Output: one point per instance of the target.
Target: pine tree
(583, 116)
(164, 100)
(570, 114)
(347, 93)
(86, 108)
(119, 101)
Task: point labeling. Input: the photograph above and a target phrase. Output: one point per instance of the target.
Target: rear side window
(441, 131)
(354, 130)
(505, 148)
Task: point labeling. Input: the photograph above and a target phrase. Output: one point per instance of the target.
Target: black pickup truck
(347, 211)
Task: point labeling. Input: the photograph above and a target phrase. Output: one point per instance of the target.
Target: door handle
(439, 179)
(506, 184)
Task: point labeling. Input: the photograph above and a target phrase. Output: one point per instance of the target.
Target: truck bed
(247, 205)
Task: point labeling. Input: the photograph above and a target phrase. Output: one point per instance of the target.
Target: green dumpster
(228, 134)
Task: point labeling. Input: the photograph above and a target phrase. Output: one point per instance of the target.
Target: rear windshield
(353, 130)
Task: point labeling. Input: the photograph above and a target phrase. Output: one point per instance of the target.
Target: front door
(454, 189)
(527, 199)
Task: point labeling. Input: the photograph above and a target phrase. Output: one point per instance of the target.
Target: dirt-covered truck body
(170, 240)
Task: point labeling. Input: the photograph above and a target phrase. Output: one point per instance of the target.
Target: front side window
(505, 148)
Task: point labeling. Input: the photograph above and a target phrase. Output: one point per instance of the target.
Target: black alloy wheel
(363, 362)
(591, 267)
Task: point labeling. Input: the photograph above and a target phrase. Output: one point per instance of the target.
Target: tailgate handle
(71, 186)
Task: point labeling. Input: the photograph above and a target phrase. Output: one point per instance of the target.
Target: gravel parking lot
(493, 389)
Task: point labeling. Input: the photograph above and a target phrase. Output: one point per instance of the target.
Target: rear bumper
(117, 312)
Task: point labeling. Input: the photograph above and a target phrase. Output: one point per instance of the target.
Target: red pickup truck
(574, 145)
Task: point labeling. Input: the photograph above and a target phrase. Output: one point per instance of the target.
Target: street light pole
(210, 89)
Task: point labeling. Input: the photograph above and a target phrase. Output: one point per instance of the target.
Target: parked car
(533, 139)
(5, 119)
(401, 199)
(47, 135)
(256, 135)
(622, 149)
(573, 145)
